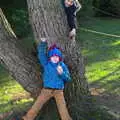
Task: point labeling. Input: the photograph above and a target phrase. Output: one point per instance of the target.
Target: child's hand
(59, 69)
(75, 13)
(72, 33)
(43, 39)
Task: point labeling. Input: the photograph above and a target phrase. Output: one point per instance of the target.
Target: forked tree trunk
(19, 65)
(48, 19)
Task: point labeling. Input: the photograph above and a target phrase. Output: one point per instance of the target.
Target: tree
(48, 20)
(20, 65)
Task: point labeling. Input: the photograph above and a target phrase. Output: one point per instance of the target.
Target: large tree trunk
(19, 65)
(48, 20)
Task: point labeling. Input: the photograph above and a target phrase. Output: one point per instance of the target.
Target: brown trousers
(44, 96)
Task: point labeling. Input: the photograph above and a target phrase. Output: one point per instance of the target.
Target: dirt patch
(108, 100)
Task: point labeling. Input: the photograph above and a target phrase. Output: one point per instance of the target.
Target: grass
(10, 92)
(102, 59)
(102, 52)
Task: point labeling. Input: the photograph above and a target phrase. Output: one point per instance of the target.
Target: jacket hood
(54, 50)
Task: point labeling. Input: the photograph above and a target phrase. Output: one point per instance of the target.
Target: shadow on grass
(105, 82)
(106, 93)
(99, 48)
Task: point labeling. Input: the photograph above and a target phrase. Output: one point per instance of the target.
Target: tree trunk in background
(48, 19)
(19, 65)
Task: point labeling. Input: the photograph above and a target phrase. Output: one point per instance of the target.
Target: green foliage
(86, 8)
(115, 7)
(111, 6)
(13, 3)
(17, 15)
(18, 18)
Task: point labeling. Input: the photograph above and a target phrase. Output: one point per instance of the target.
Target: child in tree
(55, 76)
(71, 8)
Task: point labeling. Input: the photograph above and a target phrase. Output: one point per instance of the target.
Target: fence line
(105, 12)
(100, 33)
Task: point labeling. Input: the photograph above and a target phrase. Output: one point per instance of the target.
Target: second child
(71, 8)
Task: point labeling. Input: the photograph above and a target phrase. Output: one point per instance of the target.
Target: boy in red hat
(55, 75)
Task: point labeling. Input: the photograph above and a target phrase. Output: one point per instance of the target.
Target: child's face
(54, 59)
(68, 2)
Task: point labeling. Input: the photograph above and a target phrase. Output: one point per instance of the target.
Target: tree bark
(48, 19)
(18, 64)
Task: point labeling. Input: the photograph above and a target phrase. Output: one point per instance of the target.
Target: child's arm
(78, 6)
(42, 51)
(64, 72)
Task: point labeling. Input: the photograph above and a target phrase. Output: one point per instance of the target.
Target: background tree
(19, 64)
(48, 20)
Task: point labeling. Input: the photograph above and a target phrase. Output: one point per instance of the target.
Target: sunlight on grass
(12, 95)
(117, 42)
(17, 105)
(103, 70)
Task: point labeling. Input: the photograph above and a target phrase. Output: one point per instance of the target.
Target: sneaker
(30, 115)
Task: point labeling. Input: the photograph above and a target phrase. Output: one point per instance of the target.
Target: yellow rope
(101, 33)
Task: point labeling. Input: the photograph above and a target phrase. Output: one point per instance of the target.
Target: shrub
(110, 6)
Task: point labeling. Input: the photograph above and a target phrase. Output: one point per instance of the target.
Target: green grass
(10, 92)
(12, 95)
(102, 53)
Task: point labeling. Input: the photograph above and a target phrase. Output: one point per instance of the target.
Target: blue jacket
(51, 78)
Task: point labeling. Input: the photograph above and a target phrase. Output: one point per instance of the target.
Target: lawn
(102, 59)
(12, 95)
(102, 53)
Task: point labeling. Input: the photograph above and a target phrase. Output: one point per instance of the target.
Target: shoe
(30, 115)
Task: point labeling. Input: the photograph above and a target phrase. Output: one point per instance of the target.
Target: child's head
(54, 54)
(68, 2)
(54, 59)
